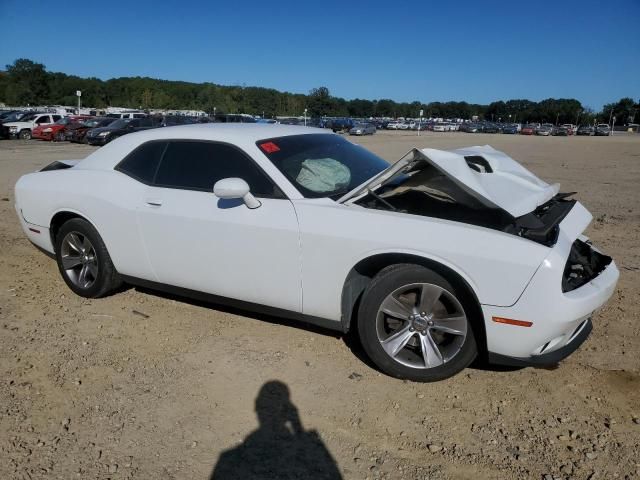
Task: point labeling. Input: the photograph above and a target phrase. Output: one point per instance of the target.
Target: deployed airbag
(323, 175)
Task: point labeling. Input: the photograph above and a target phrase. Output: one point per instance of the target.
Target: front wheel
(413, 325)
(59, 137)
(25, 134)
(83, 260)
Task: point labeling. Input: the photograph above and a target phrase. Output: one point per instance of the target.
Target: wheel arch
(363, 272)
(60, 218)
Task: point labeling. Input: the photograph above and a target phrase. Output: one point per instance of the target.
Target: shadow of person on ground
(280, 448)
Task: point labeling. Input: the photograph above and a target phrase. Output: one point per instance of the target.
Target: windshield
(121, 123)
(322, 165)
(63, 121)
(28, 118)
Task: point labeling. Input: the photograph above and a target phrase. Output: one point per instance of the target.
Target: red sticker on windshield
(269, 147)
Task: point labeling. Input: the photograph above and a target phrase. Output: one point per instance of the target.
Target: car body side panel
(336, 237)
(107, 199)
(200, 242)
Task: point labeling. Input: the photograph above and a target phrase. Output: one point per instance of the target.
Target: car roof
(244, 135)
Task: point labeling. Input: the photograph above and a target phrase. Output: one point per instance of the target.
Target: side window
(57, 117)
(193, 165)
(143, 162)
(43, 119)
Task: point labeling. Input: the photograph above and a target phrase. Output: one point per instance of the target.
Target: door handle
(153, 202)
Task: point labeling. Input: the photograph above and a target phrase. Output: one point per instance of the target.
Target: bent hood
(492, 177)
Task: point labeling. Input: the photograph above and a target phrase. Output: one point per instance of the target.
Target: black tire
(25, 134)
(389, 280)
(107, 279)
(59, 137)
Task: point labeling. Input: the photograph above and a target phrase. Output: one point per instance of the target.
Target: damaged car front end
(486, 188)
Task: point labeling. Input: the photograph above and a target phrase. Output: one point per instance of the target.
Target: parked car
(527, 130)
(585, 130)
(439, 127)
(341, 124)
(57, 130)
(544, 130)
(602, 130)
(392, 125)
(560, 131)
(127, 114)
(77, 132)
(9, 116)
(490, 128)
(491, 260)
(510, 129)
(23, 128)
(122, 126)
(571, 128)
(469, 127)
(233, 118)
(363, 129)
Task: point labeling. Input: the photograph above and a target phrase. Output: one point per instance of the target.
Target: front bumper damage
(571, 284)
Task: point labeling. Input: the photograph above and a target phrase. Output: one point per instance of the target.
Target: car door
(42, 120)
(197, 241)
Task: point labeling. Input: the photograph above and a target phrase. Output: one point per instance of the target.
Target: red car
(55, 132)
(528, 130)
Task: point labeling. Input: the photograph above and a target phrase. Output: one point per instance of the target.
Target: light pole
(214, 113)
(420, 124)
(78, 94)
(557, 116)
(305, 117)
(578, 117)
(612, 125)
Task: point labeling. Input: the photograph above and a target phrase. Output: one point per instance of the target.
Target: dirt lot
(144, 386)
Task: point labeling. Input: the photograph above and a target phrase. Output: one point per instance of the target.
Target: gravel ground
(142, 385)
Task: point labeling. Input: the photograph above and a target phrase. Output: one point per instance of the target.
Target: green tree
(27, 83)
(319, 103)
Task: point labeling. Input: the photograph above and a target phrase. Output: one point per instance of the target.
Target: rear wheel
(83, 260)
(413, 324)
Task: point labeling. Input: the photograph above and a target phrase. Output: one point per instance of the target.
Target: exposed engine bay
(422, 188)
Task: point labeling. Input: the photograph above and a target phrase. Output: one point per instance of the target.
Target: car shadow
(280, 448)
(263, 317)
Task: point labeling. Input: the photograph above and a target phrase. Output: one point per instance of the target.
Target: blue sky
(477, 51)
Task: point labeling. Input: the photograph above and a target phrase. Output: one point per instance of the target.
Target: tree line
(29, 83)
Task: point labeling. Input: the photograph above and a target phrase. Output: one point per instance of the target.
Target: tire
(25, 134)
(411, 343)
(58, 137)
(83, 260)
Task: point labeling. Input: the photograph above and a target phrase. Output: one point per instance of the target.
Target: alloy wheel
(79, 260)
(421, 325)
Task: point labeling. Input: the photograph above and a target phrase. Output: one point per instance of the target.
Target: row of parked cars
(94, 130)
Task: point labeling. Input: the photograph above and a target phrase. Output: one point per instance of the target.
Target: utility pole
(78, 94)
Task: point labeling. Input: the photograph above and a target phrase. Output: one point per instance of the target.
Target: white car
(23, 128)
(436, 258)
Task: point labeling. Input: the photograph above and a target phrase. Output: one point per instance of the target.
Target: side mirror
(234, 188)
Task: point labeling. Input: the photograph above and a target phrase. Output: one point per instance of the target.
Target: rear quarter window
(142, 163)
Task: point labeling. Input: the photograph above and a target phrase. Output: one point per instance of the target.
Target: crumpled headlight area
(583, 265)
